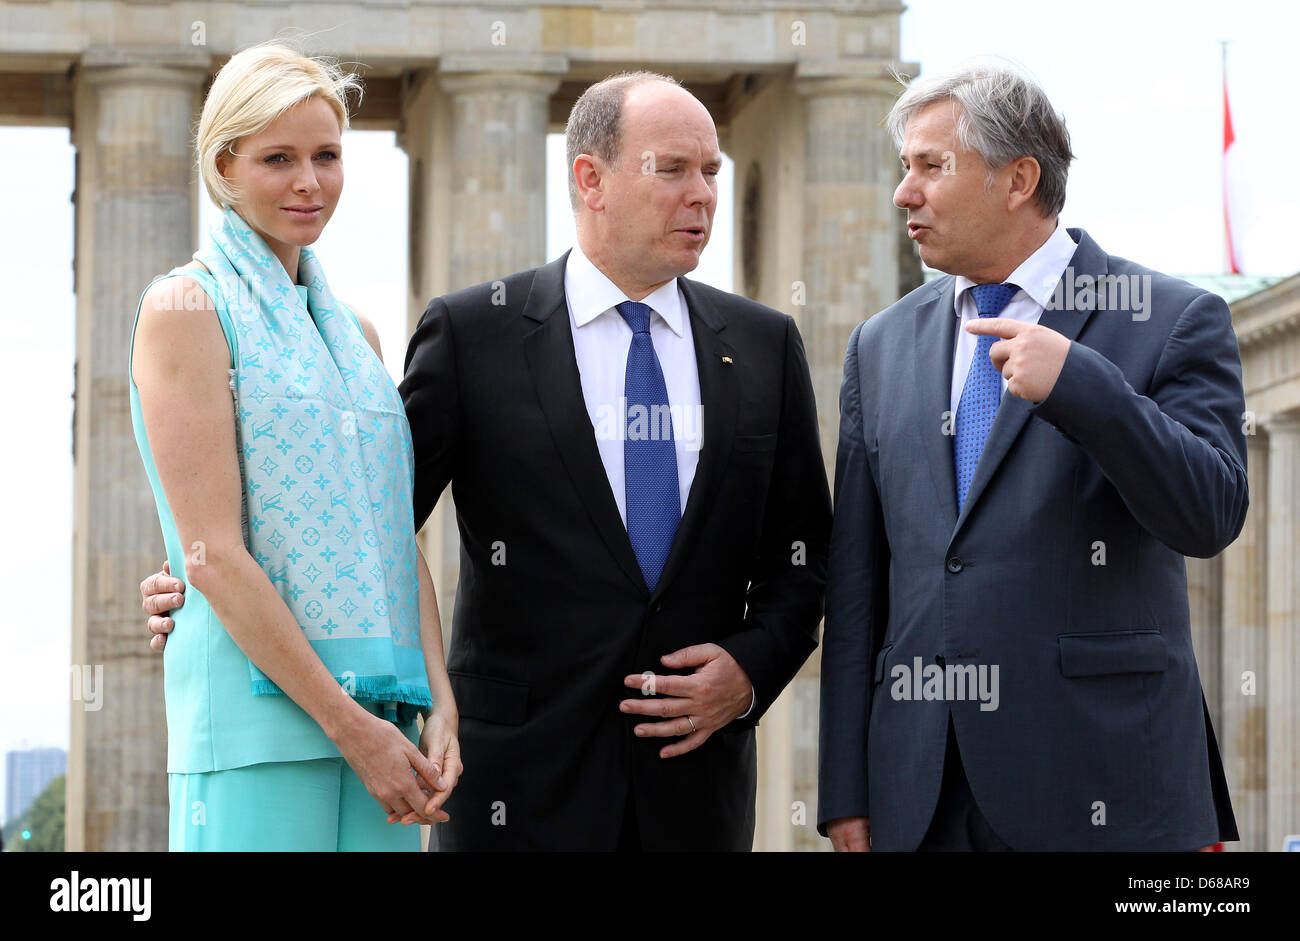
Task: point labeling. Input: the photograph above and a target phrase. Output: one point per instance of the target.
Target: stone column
(494, 210)
(135, 219)
(846, 271)
(1241, 725)
(498, 175)
(850, 225)
(1283, 695)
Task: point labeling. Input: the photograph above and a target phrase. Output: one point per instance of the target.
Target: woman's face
(289, 176)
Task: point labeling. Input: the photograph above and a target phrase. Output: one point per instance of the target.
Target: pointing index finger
(1003, 327)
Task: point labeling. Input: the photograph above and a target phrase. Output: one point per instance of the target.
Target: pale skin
(984, 231)
(643, 222)
(179, 364)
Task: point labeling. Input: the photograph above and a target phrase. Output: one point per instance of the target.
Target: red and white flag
(1234, 195)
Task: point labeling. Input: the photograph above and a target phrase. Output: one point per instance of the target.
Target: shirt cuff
(753, 698)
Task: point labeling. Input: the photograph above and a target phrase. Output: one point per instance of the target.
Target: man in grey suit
(1029, 446)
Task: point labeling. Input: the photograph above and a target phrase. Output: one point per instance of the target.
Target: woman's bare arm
(180, 367)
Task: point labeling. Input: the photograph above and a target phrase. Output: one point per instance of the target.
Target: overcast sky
(1139, 84)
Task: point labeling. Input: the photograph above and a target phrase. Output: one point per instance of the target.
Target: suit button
(656, 607)
(938, 658)
(955, 565)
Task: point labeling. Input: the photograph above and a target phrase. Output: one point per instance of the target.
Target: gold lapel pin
(726, 360)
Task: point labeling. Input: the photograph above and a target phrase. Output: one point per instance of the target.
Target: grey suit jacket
(1065, 571)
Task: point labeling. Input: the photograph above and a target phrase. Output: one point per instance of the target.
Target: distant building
(1247, 600)
(1233, 287)
(26, 775)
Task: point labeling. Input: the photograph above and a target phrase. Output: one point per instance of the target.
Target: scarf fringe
(365, 689)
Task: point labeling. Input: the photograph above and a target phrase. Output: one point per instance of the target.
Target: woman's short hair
(1001, 115)
(253, 89)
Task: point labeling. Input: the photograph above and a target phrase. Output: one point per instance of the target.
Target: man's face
(957, 221)
(658, 204)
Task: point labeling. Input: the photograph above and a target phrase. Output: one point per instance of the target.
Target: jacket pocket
(492, 700)
(880, 662)
(1113, 652)
(754, 442)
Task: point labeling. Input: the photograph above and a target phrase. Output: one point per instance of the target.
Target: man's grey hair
(595, 123)
(1002, 115)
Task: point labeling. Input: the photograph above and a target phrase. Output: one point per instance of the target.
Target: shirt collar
(1037, 275)
(591, 294)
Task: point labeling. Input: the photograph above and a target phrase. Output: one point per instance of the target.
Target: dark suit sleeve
(785, 593)
(429, 391)
(1177, 455)
(857, 610)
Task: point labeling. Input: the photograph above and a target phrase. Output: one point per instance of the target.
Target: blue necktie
(650, 485)
(980, 395)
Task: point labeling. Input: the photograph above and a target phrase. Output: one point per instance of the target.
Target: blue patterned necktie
(650, 485)
(980, 395)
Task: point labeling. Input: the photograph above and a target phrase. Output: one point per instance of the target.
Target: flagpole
(1223, 162)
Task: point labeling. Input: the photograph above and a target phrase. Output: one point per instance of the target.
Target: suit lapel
(936, 332)
(720, 403)
(1013, 412)
(553, 365)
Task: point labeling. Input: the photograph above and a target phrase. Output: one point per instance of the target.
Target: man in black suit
(557, 637)
(643, 508)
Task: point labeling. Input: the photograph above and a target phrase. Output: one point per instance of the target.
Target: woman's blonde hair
(253, 89)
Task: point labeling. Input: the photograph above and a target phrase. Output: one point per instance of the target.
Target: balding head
(595, 122)
(643, 160)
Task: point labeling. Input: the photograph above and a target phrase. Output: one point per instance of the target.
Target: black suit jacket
(552, 610)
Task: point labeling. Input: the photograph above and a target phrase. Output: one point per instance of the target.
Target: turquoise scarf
(327, 468)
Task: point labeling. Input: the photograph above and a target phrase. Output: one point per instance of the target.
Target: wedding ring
(692, 722)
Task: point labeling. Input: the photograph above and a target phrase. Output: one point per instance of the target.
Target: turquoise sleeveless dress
(236, 759)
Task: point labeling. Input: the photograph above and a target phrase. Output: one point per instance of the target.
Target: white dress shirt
(601, 340)
(1036, 277)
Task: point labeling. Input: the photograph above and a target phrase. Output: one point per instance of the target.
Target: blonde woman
(280, 461)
